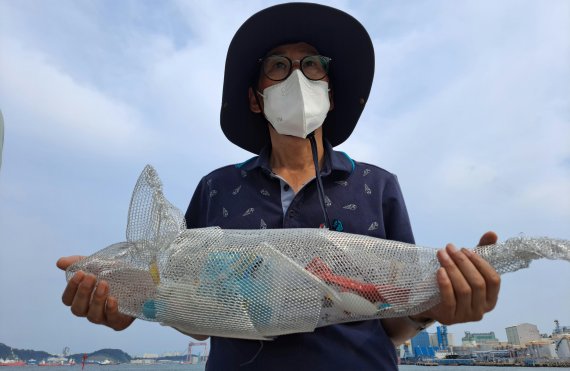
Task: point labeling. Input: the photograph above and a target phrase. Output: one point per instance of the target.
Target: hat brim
(334, 33)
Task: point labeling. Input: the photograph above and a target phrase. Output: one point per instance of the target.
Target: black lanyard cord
(320, 189)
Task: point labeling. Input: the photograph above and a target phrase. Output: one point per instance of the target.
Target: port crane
(197, 344)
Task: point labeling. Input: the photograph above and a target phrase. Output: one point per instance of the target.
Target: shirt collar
(336, 162)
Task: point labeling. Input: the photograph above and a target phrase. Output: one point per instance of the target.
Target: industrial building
(525, 347)
(473, 339)
(522, 334)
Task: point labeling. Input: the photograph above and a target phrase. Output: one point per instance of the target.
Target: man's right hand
(89, 298)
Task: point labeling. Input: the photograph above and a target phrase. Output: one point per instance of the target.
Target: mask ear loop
(320, 189)
(256, 93)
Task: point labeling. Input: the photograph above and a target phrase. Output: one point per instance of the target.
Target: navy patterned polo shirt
(360, 198)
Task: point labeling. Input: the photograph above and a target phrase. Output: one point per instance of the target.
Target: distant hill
(113, 355)
(23, 354)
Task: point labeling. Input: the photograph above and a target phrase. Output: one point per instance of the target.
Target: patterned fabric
(360, 198)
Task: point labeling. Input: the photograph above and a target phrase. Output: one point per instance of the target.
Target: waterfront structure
(485, 349)
(405, 350)
(432, 339)
(441, 339)
(421, 346)
(473, 339)
(560, 330)
(542, 349)
(143, 361)
(562, 346)
(194, 358)
(150, 355)
(522, 334)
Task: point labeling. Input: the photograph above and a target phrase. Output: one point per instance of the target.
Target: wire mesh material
(257, 284)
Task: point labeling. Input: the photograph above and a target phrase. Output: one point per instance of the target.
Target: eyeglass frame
(291, 62)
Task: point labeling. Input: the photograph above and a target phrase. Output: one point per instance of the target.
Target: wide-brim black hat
(334, 33)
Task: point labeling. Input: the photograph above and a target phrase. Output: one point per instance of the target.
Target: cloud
(470, 108)
(54, 106)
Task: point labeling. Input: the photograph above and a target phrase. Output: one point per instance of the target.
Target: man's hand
(469, 285)
(89, 298)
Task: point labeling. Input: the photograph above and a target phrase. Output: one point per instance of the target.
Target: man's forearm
(401, 329)
(193, 336)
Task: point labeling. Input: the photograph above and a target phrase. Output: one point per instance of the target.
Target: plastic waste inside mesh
(257, 284)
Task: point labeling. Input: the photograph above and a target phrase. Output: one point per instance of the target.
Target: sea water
(200, 367)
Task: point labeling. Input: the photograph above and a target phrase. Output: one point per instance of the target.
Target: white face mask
(296, 106)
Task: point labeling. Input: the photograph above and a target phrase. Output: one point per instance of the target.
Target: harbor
(525, 347)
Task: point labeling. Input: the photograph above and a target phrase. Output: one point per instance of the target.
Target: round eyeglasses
(279, 67)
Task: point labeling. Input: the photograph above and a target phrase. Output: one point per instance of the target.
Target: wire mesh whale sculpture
(258, 284)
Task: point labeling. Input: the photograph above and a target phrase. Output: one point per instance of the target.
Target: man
(296, 81)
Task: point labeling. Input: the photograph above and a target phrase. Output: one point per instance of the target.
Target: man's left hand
(468, 284)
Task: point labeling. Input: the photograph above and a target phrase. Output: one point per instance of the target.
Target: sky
(470, 107)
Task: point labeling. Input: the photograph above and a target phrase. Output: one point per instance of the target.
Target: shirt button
(286, 187)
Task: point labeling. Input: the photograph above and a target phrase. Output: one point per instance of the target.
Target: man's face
(295, 52)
